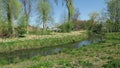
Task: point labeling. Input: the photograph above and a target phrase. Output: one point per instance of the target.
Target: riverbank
(94, 56)
(37, 41)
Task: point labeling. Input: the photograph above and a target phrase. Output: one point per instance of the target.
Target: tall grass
(40, 42)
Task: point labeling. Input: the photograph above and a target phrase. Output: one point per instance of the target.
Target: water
(29, 53)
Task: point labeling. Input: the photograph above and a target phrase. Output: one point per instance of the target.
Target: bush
(3, 29)
(21, 26)
(66, 27)
(40, 32)
(95, 31)
(47, 32)
(21, 31)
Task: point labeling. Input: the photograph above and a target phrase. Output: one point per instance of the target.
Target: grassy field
(37, 41)
(105, 54)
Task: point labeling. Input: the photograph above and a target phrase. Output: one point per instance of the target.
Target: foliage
(95, 28)
(92, 56)
(3, 28)
(113, 8)
(27, 8)
(21, 26)
(70, 7)
(80, 25)
(47, 32)
(40, 41)
(110, 26)
(44, 8)
(96, 31)
(40, 32)
(94, 16)
(11, 11)
(66, 27)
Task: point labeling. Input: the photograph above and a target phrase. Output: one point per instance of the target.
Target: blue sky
(85, 7)
(88, 6)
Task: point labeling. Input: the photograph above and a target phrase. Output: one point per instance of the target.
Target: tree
(27, 5)
(95, 30)
(2, 10)
(113, 7)
(44, 9)
(2, 21)
(21, 26)
(12, 8)
(76, 21)
(94, 16)
(70, 7)
(76, 14)
(109, 26)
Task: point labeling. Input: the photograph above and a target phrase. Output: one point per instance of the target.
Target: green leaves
(44, 9)
(113, 8)
(66, 27)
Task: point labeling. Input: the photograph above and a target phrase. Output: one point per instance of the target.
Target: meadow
(104, 54)
(37, 41)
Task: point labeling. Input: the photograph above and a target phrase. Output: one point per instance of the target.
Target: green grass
(112, 63)
(40, 42)
(105, 54)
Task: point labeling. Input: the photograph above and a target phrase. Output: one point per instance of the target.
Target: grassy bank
(32, 41)
(105, 54)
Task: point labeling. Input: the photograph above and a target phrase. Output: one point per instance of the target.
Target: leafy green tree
(3, 28)
(27, 8)
(93, 20)
(12, 8)
(109, 26)
(113, 7)
(95, 30)
(2, 22)
(21, 26)
(44, 9)
(66, 27)
(70, 7)
(94, 16)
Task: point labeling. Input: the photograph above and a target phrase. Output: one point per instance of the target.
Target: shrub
(21, 26)
(40, 32)
(21, 31)
(47, 32)
(4, 29)
(66, 27)
(95, 31)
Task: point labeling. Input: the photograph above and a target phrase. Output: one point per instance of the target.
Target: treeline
(109, 19)
(15, 16)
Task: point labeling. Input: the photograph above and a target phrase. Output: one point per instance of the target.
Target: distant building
(54, 29)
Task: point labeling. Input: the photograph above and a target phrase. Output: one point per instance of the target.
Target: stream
(44, 51)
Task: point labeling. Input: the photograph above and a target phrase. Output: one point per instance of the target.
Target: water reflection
(29, 53)
(84, 43)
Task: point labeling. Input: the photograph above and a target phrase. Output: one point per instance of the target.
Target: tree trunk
(27, 10)
(10, 21)
(68, 7)
(44, 26)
